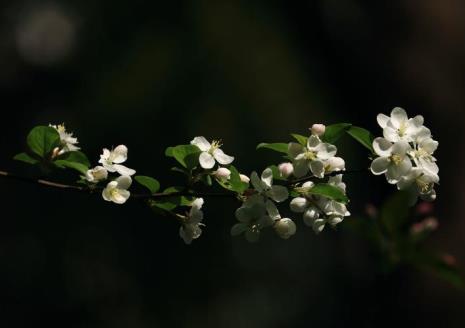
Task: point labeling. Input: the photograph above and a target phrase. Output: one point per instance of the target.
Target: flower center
(215, 145)
(114, 192)
(402, 129)
(310, 155)
(424, 187)
(396, 159)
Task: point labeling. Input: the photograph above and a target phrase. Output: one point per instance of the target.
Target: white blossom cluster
(319, 210)
(316, 157)
(259, 211)
(405, 154)
(111, 161)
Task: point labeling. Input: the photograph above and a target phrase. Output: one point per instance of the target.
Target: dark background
(151, 74)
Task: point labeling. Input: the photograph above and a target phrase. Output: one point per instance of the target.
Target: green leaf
(279, 147)
(363, 136)
(75, 156)
(42, 140)
(23, 157)
(72, 165)
(169, 152)
(186, 155)
(300, 139)
(169, 203)
(334, 132)
(395, 211)
(150, 183)
(235, 182)
(329, 191)
(206, 179)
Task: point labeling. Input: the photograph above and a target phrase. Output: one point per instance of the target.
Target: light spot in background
(45, 35)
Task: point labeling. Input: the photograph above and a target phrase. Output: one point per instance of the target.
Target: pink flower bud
(285, 169)
(318, 129)
(222, 173)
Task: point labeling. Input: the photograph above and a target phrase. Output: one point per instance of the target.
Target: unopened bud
(285, 228)
(244, 178)
(318, 129)
(97, 174)
(222, 173)
(335, 164)
(285, 169)
(55, 152)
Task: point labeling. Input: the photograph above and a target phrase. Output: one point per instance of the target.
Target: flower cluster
(259, 211)
(319, 210)
(405, 154)
(316, 157)
(116, 190)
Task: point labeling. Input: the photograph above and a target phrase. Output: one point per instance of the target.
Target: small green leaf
(363, 136)
(300, 139)
(169, 152)
(235, 181)
(169, 203)
(329, 191)
(187, 155)
(23, 157)
(150, 183)
(334, 132)
(279, 147)
(75, 156)
(72, 165)
(42, 140)
(206, 179)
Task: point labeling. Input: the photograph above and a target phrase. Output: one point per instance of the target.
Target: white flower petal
(206, 160)
(267, 177)
(120, 197)
(123, 182)
(382, 120)
(238, 228)
(278, 193)
(318, 168)
(256, 182)
(398, 117)
(380, 165)
(272, 210)
(294, 149)
(222, 158)
(313, 141)
(382, 147)
(300, 168)
(123, 170)
(119, 154)
(202, 143)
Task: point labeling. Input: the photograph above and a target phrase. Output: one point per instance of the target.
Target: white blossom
(253, 218)
(117, 190)
(393, 160)
(421, 181)
(68, 142)
(311, 157)
(97, 174)
(191, 226)
(211, 152)
(398, 127)
(264, 186)
(111, 160)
